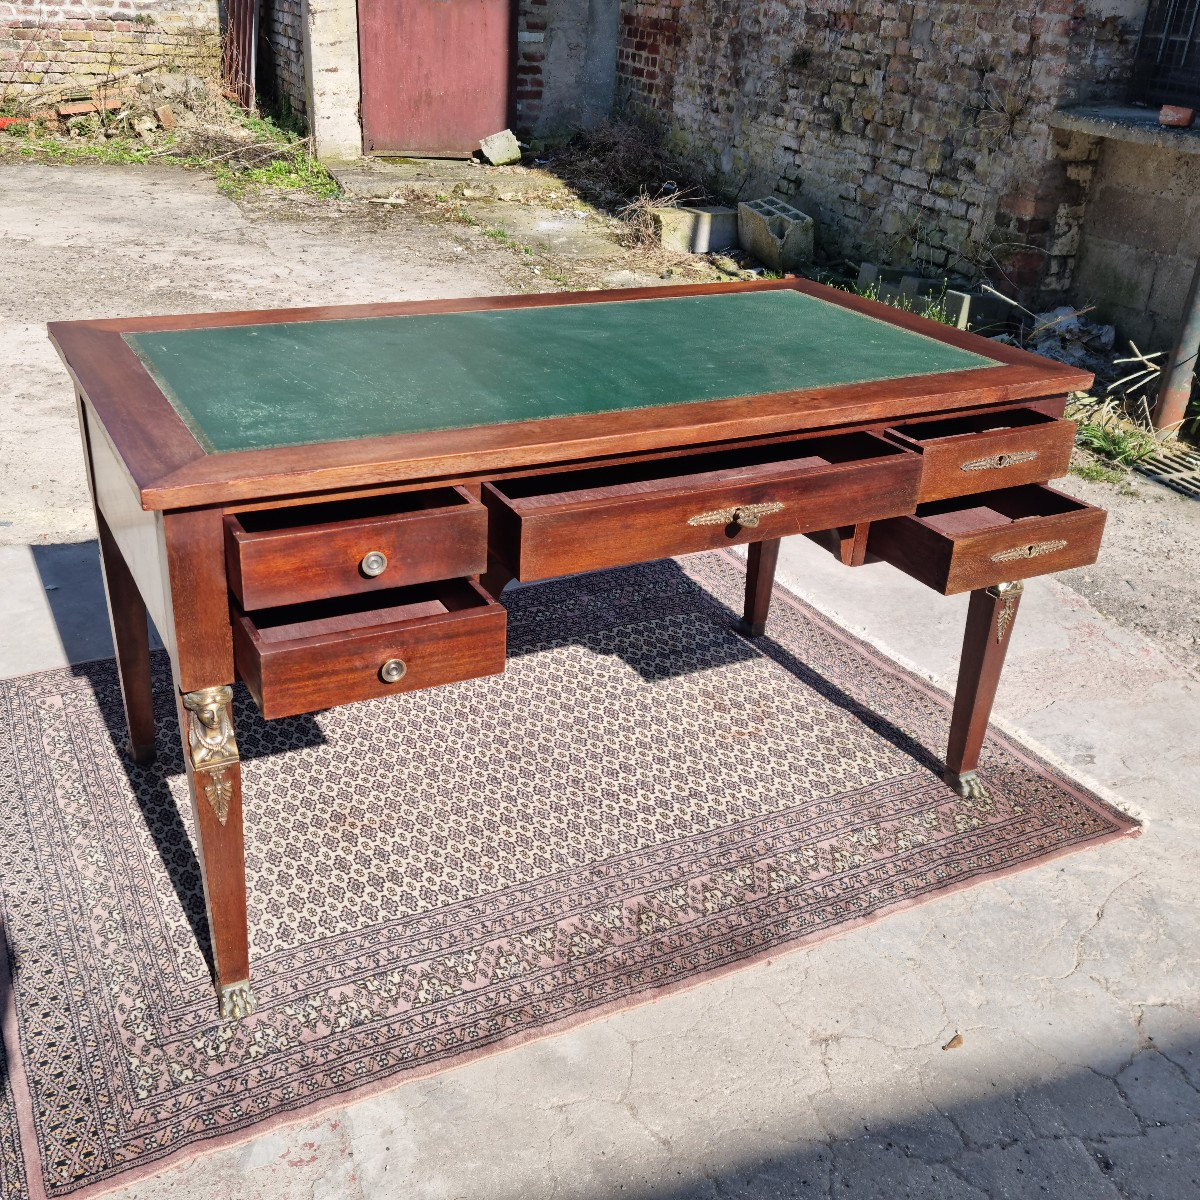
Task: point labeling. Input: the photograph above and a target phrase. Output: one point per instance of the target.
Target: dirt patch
(1148, 574)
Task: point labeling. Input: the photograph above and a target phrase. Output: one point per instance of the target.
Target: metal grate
(1166, 67)
(239, 50)
(1178, 467)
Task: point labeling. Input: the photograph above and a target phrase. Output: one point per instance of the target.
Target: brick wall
(531, 58)
(914, 131)
(281, 56)
(45, 45)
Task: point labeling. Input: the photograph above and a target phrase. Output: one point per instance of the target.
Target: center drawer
(557, 524)
(345, 547)
(982, 451)
(307, 657)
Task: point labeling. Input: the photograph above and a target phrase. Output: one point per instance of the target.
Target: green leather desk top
(258, 386)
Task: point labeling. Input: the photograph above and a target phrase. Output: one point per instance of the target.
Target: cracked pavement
(1074, 986)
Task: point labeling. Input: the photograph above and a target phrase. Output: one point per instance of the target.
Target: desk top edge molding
(171, 470)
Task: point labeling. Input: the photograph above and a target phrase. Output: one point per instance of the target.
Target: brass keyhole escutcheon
(393, 670)
(747, 518)
(374, 563)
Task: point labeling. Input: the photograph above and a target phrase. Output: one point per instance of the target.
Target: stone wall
(914, 131)
(281, 57)
(46, 45)
(1141, 240)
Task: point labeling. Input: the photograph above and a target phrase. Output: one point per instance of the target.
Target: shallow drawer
(345, 547)
(959, 545)
(307, 657)
(555, 524)
(961, 455)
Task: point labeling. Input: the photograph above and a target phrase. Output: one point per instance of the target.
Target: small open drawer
(961, 455)
(555, 524)
(344, 547)
(306, 657)
(960, 545)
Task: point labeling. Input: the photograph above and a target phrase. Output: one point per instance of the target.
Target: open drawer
(306, 657)
(960, 545)
(555, 524)
(961, 455)
(344, 547)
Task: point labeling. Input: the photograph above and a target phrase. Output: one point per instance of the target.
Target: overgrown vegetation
(244, 151)
(1108, 431)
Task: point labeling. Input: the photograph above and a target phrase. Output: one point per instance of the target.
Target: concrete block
(778, 235)
(500, 148)
(913, 292)
(698, 230)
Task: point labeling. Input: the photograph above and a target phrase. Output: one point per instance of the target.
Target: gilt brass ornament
(1035, 550)
(1008, 594)
(745, 515)
(996, 462)
(211, 745)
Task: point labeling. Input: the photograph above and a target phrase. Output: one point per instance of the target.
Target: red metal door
(435, 74)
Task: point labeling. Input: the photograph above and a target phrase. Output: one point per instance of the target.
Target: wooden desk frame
(161, 503)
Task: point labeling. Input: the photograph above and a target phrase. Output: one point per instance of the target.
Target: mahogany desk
(325, 502)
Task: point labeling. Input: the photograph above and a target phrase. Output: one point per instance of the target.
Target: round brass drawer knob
(392, 671)
(374, 563)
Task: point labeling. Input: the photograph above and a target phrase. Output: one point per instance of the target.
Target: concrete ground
(1075, 987)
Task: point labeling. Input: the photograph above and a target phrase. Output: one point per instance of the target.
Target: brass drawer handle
(374, 563)
(995, 462)
(393, 670)
(1036, 550)
(745, 515)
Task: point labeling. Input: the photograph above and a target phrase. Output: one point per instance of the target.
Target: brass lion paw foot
(237, 1001)
(968, 785)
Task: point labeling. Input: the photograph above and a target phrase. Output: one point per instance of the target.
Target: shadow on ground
(74, 587)
(605, 599)
(1126, 1130)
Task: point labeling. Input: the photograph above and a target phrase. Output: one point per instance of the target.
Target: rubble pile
(1065, 336)
(176, 113)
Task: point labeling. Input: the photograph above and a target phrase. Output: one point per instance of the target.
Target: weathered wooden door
(435, 74)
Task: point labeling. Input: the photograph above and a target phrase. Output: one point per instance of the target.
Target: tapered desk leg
(214, 773)
(201, 639)
(990, 619)
(760, 579)
(131, 639)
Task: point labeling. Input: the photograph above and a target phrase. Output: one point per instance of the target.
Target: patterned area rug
(642, 800)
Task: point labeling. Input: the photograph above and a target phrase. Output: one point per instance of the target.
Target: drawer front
(285, 556)
(1065, 534)
(964, 455)
(630, 526)
(304, 674)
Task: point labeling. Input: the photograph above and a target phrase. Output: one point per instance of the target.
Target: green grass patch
(113, 150)
(294, 171)
(501, 235)
(1123, 444)
(292, 168)
(932, 308)
(1099, 472)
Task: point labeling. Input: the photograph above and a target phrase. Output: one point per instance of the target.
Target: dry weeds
(617, 161)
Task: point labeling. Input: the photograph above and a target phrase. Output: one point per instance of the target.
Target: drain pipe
(1177, 376)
